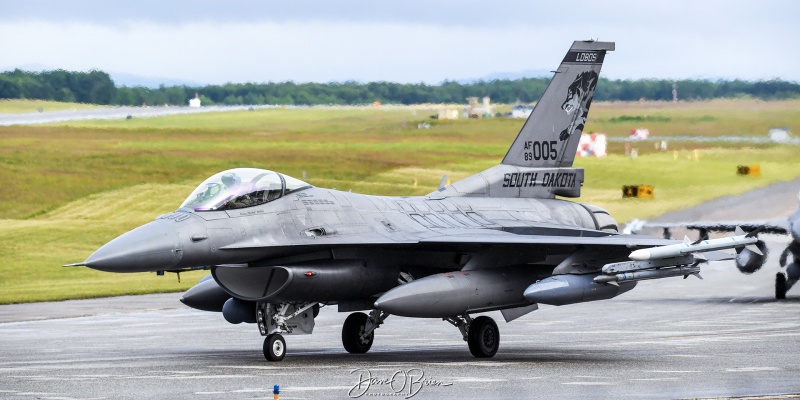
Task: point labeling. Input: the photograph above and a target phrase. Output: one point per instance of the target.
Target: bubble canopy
(240, 188)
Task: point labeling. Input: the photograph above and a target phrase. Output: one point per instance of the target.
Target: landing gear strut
(273, 320)
(358, 330)
(481, 334)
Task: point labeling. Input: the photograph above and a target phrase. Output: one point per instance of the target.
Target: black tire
(274, 347)
(780, 286)
(483, 337)
(351, 334)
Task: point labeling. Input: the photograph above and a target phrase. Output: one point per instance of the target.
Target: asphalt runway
(723, 336)
(47, 117)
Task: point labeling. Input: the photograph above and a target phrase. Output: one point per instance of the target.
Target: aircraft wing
(504, 237)
(474, 237)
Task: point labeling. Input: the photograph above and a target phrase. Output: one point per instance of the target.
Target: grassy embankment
(69, 188)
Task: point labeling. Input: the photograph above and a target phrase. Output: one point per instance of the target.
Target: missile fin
(754, 249)
(756, 231)
(700, 256)
(698, 276)
(739, 231)
(686, 239)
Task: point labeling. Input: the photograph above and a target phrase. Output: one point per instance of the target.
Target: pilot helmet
(230, 179)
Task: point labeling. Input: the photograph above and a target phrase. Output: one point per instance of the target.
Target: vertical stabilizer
(550, 136)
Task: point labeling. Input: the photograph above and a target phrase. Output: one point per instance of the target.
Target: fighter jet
(278, 248)
(748, 262)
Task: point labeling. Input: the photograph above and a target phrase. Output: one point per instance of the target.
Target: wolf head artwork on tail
(539, 162)
(558, 119)
(579, 98)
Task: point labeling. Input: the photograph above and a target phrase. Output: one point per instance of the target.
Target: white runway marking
(586, 383)
(752, 369)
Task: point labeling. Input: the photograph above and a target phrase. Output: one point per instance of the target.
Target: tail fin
(550, 136)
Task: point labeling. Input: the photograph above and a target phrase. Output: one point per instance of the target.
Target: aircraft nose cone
(151, 247)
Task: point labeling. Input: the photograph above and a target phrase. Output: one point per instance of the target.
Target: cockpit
(240, 188)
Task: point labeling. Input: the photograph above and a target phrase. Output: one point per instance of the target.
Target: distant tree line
(94, 87)
(97, 87)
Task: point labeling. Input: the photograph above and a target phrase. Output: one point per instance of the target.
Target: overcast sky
(401, 41)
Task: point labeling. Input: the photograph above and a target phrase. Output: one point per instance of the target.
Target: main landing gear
(358, 330)
(481, 334)
(785, 281)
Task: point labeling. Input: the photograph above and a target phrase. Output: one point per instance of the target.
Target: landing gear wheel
(352, 329)
(780, 286)
(274, 347)
(483, 337)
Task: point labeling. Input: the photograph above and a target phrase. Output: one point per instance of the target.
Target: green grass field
(68, 188)
(14, 106)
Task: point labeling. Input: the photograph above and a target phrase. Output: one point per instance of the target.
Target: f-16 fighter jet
(279, 248)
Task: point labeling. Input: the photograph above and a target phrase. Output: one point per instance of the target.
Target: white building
(195, 102)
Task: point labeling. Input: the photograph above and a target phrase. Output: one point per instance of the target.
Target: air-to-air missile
(673, 260)
(742, 240)
(617, 278)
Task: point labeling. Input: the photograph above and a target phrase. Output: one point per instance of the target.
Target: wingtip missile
(640, 255)
(676, 250)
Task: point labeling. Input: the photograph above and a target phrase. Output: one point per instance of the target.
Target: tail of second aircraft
(538, 163)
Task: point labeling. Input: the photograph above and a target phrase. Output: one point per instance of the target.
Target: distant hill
(510, 76)
(152, 82)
